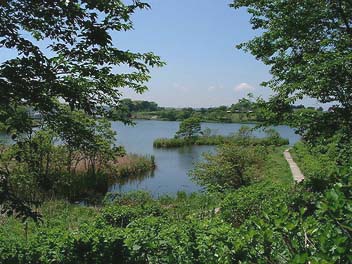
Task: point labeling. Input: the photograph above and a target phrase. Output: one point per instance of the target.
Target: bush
(232, 167)
(318, 165)
(245, 202)
(273, 225)
(129, 198)
(121, 216)
(154, 240)
(89, 245)
(191, 241)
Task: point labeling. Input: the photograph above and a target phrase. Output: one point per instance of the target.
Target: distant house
(34, 114)
(37, 115)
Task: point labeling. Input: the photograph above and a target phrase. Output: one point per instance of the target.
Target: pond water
(172, 165)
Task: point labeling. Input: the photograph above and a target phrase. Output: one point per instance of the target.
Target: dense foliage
(233, 166)
(250, 212)
(246, 110)
(308, 46)
(189, 128)
(262, 223)
(71, 79)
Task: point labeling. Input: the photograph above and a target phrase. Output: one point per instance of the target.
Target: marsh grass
(217, 140)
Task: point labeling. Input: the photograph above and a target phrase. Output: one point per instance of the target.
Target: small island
(190, 133)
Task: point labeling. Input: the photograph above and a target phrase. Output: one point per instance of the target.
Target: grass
(59, 214)
(180, 142)
(215, 140)
(132, 165)
(56, 213)
(91, 187)
(312, 162)
(276, 167)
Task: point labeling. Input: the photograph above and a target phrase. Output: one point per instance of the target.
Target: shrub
(232, 167)
(154, 240)
(122, 215)
(317, 164)
(248, 201)
(129, 198)
(88, 245)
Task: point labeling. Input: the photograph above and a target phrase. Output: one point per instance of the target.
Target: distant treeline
(244, 111)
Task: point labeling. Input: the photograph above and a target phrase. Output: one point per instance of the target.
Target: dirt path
(296, 172)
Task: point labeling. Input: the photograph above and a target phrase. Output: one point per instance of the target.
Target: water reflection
(138, 178)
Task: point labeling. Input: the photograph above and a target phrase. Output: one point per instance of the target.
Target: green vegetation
(318, 164)
(38, 169)
(2, 127)
(276, 168)
(244, 136)
(181, 142)
(133, 165)
(245, 111)
(232, 167)
(261, 221)
(189, 128)
(249, 212)
(71, 81)
(307, 45)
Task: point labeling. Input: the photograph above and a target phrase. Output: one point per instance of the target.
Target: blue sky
(197, 41)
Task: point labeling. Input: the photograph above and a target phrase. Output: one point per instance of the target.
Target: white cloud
(180, 87)
(211, 88)
(243, 87)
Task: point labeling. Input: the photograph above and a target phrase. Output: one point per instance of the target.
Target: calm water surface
(173, 165)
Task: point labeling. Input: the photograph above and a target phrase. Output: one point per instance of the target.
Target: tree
(185, 113)
(308, 45)
(77, 65)
(66, 56)
(189, 128)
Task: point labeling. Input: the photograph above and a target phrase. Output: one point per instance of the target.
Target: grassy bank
(75, 183)
(180, 142)
(131, 165)
(91, 187)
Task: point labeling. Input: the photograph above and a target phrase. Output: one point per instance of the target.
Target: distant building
(34, 114)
